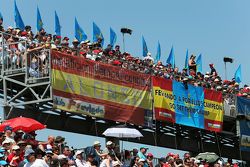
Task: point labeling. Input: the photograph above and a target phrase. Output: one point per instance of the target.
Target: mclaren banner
(101, 90)
(188, 105)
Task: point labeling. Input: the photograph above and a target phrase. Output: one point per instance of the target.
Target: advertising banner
(243, 109)
(188, 105)
(245, 135)
(100, 90)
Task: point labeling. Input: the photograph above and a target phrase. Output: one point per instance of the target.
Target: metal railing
(38, 66)
(12, 59)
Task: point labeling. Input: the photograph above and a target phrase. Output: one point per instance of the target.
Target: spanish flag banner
(100, 90)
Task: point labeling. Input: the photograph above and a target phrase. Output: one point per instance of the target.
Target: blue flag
(144, 47)
(171, 59)
(112, 37)
(187, 112)
(158, 54)
(186, 60)
(39, 22)
(79, 33)
(1, 16)
(199, 64)
(18, 18)
(57, 25)
(237, 74)
(97, 33)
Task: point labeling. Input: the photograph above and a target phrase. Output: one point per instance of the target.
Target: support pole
(123, 39)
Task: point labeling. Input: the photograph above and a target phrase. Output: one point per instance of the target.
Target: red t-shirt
(15, 162)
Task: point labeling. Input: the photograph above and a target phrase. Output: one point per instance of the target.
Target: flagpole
(123, 39)
(225, 70)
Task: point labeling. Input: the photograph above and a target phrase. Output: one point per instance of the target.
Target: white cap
(216, 80)
(109, 143)
(15, 147)
(96, 143)
(141, 160)
(61, 156)
(78, 152)
(148, 54)
(6, 141)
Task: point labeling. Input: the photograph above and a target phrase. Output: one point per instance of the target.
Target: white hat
(6, 141)
(109, 143)
(218, 87)
(206, 76)
(78, 152)
(48, 152)
(15, 147)
(61, 156)
(216, 80)
(10, 27)
(141, 160)
(97, 143)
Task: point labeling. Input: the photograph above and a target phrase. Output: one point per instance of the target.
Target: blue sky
(214, 28)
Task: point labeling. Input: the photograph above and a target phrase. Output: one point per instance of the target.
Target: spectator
(109, 148)
(192, 63)
(79, 159)
(149, 58)
(66, 152)
(32, 161)
(213, 70)
(187, 156)
(8, 134)
(106, 160)
(187, 162)
(14, 158)
(48, 144)
(161, 162)
(142, 153)
(117, 52)
(127, 159)
(150, 159)
(59, 142)
(141, 163)
(48, 157)
(90, 161)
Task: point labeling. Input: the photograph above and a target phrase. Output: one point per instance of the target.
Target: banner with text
(100, 90)
(243, 109)
(188, 105)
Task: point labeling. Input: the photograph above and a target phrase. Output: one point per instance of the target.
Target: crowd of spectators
(16, 54)
(20, 149)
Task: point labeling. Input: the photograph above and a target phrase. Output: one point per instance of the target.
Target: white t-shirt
(36, 163)
(81, 163)
(103, 163)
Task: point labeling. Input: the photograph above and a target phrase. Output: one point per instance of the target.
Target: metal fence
(38, 66)
(12, 59)
(17, 59)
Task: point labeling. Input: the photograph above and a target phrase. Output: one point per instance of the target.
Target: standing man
(142, 154)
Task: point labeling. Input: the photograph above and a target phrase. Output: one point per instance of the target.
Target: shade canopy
(122, 132)
(22, 123)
